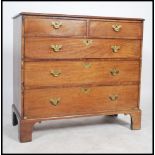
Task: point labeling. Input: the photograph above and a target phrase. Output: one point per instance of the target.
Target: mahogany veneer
(74, 72)
(40, 48)
(71, 66)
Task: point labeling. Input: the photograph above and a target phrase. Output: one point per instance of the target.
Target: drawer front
(55, 27)
(59, 73)
(115, 29)
(53, 102)
(57, 48)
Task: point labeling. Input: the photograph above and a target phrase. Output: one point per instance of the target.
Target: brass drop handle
(87, 42)
(113, 97)
(85, 90)
(54, 101)
(87, 65)
(115, 48)
(55, 73)
(56, 24)
(56, 48)
(114, 71)
(116, 27)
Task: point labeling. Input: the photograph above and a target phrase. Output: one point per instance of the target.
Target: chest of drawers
(71, 66)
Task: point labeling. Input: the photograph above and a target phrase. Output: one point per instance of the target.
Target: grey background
(97, 134)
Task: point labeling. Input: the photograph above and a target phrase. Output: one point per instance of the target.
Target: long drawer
(54, 102)
(59, 73)
(63, 48)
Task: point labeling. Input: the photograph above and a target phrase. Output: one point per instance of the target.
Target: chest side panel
(17, 59)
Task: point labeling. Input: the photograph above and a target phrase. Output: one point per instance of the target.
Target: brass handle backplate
(85, 90)
(114, 71)
(56, 48)
(113, 97)
(56, 24)
(55, 73)
(116, 27)
(115, 48)
(55, 101)
(87, 42)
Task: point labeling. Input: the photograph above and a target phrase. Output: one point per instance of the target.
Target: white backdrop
(118, 9)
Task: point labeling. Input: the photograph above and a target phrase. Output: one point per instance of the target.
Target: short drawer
(55, 102)
(62, 73)
(54, 27)
(116, 29)
(58, 48)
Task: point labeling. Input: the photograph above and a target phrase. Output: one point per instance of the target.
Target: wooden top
(76, 16)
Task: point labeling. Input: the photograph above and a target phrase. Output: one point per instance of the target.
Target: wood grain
(40, 48)
(38, 73)
(73, 101)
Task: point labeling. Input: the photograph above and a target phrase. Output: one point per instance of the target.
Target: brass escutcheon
(87, 65)
(85, 90)
(87, 42)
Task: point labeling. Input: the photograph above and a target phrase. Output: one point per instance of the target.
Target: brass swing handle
(113, 97)
(54, 101)
(56, 24)
(115, 48)
(56, 48)
(55, 73)
(116, 27)
(114, 71)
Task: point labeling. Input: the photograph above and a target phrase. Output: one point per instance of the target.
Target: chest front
(73, 66)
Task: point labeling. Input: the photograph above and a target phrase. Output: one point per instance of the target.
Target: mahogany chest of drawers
(70, 66)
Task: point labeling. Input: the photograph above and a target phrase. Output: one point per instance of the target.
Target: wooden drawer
(60, 73)
(61, 48)
(43, 26)
(54, 102)
(108, 29)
